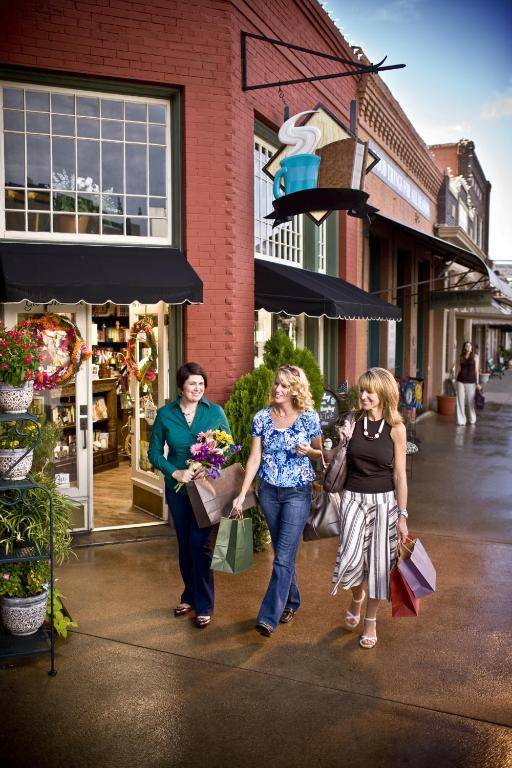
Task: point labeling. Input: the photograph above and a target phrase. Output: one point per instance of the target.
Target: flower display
(62, 349)
(24, 579)
(212, 451)
(20, 351)
(147, 372)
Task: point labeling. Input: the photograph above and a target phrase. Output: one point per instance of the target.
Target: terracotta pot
(446, 405)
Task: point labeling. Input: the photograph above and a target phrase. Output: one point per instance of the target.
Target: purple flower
(214, 473)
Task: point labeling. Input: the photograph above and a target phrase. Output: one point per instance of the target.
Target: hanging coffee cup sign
(299, 169)
(319, 168)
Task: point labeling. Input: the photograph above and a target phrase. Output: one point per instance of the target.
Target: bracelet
(403, 513)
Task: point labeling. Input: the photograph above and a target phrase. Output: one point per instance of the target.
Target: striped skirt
(368, 541)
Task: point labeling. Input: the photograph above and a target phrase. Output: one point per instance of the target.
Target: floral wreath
(72, 344)
(146, 374)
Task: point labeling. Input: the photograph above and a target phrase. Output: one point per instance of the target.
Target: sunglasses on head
(290, 368)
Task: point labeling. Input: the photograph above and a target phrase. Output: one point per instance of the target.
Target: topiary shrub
(278, 350)
(304, 358)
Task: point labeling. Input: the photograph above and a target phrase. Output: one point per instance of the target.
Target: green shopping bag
(233, 548)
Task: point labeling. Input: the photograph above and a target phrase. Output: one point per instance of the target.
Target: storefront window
(88, 165)
(284, 243)
(321, 253)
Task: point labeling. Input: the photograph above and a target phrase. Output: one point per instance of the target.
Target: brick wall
(195, 45)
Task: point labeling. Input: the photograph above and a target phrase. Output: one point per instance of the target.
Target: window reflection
(113, 146)
(38, 161)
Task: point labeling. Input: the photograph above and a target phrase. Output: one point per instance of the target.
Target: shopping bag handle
(235, 515)
(403, 544)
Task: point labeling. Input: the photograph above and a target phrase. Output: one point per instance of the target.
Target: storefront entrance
(101, 418)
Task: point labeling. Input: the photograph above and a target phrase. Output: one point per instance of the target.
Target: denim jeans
(286, 511)
(194, 553)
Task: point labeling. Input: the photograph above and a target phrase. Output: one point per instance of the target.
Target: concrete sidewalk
(137, 687)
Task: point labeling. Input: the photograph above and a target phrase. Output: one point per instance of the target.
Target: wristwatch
(404, 513)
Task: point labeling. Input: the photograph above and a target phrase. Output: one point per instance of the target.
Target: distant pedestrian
(177, 425)
(468, 381)
(373, 502)
(286, 437)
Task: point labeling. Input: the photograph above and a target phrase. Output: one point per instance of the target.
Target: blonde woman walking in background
(374, 501)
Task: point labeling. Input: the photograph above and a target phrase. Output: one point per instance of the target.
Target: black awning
(442, 248)
(68, 273)
(293, 291)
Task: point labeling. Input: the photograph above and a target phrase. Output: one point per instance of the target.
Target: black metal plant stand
(43, 641)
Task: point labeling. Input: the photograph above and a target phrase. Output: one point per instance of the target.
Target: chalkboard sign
(329, 409)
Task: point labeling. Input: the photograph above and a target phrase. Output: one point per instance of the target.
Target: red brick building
(126, 128)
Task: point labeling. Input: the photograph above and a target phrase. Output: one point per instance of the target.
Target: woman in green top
(177, 425)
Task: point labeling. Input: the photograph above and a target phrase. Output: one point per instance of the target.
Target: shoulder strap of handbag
(350, 417)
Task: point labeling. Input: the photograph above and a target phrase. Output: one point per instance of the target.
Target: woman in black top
(468, 381)
(374, 500)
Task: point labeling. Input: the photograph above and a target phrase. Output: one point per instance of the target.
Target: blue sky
(457, 83)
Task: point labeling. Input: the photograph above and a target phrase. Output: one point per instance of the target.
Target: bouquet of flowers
(212, 451)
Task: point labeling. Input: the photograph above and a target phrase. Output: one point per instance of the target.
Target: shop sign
(319, 168)
(329, 409)
(397, 180)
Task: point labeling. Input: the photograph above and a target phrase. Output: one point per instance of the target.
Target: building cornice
(381, 114)
(458, 236)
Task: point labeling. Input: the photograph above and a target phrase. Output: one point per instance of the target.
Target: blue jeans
(286, 511)
(194, 553)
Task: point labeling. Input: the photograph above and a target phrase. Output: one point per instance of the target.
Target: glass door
(147, 483)
(63, 409)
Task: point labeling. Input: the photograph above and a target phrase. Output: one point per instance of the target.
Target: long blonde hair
(382, 383)
(294, 378)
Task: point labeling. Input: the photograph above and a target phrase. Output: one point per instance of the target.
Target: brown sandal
(182, 608)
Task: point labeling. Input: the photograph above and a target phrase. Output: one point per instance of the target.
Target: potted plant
(27, 524)
(447, 402)
(20, 350)
(24, 596)
(16, 449)
(484, 376)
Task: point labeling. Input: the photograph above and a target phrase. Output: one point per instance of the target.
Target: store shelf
(11, 645)
(23, 555)
(17, 485)
(41, 641)
(18, 417)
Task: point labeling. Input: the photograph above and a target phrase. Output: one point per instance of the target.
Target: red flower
(28, 359)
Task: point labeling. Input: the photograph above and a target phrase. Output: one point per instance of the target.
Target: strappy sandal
(351, 620)
(202, 621)
(182, 608)
(367, 642)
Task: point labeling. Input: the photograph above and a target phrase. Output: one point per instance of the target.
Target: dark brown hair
(471, 355)
(190, 369)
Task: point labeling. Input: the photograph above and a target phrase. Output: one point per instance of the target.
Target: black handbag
(479, 400)
(324, 517)
(336, 472)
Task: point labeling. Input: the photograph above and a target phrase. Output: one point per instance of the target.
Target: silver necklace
(365, 430)
(188, 414)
